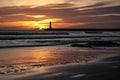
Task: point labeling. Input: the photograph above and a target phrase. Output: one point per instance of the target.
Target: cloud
(99, 4)
(11, 27)
(97, 25)
(103, 10)
(58, 6)
(94, 17)
(20, 17)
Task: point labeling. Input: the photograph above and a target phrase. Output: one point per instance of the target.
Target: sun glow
(23, 24)
(44, 24)
(37, 25)
(36, 16)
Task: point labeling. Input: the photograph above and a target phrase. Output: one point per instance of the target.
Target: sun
(44, 24)
(43, 27)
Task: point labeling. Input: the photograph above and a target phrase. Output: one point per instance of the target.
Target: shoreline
(103, 66)
(64, 55)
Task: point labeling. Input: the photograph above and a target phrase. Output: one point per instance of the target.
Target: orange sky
(36, 14)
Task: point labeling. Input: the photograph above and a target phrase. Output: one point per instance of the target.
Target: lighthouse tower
(50, 25)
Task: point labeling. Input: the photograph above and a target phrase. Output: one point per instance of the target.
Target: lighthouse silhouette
(50, 25)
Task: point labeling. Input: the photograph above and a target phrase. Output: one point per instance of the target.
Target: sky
(36, 14)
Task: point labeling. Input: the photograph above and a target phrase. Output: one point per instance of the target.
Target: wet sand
(47, 56)
(102, 69)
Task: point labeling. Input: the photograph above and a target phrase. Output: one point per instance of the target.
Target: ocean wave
(50, 38)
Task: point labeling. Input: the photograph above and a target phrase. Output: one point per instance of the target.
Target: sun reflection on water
(49, 55)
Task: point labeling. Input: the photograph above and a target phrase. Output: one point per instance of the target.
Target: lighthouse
(50, 25)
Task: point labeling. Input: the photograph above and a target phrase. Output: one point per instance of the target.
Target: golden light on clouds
(35, 2)
(20, 2)
(22, 24)
(36, 14)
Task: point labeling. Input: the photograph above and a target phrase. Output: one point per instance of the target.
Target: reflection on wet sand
(22, 59)
(50, 55)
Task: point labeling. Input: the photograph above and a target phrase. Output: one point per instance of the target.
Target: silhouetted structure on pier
(87, 30)
(50, 25)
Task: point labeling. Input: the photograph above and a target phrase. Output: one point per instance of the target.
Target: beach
(59, 39)
(106, 68)
(59, 55)
(68, 63)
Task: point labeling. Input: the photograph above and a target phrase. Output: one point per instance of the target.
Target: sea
(49, 38)
(22, 50)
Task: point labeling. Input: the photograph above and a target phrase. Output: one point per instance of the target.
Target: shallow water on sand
(13, 60)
